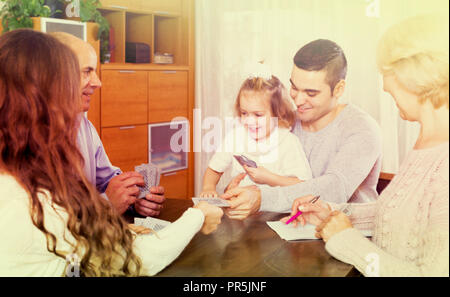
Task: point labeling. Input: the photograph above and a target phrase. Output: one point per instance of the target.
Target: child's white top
(281, 153)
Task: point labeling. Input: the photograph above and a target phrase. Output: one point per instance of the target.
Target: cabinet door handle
(169, 174)
(127, 127)
(161, 12)
(118, 6)
(127, 71)
(169, 72)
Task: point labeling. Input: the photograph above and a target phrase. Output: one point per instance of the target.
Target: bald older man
(120, 188)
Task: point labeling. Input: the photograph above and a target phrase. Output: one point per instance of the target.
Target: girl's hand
(213, 216)
(312, 213)
(208, 194)
(260, 175)
(333, 224)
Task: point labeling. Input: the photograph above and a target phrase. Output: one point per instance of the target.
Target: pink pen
(299, 212)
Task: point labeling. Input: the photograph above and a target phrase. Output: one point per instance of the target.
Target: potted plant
(89, 13)
(18, 13)
(57, 8)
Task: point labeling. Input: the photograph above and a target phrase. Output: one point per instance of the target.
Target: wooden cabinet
(126, 146)
(159, 6)
(120, 4)
(124, 98)
(168, 95)
(161, 32)
(175, 184)
(140, 94)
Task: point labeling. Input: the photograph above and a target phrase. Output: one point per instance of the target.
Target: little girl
(262, 135)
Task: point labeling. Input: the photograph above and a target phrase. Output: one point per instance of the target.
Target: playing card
(243, 160)
(139, 221)
(151, 174)
(219, 202)
(155, 224)
(144, 190)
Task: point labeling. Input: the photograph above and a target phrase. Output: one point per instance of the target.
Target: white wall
(231, 33)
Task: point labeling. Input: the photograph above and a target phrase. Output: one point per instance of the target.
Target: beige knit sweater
(410, 222)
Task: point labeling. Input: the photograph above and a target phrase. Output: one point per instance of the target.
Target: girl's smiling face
(256, 115)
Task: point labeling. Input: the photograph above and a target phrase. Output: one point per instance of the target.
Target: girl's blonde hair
(280, 105)
(416, 52)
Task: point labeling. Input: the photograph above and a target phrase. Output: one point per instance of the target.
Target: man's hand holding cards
(151, 174)
(152, 194)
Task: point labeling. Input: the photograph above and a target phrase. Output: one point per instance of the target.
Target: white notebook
(289, 232)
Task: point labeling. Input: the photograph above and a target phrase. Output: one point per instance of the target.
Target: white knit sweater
(410, 222)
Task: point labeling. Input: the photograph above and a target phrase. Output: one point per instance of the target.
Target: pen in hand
(299, 212)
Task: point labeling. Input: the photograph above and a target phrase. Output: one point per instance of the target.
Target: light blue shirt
(97, 167)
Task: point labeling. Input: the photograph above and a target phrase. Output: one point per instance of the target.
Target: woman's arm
(158, 252)
(352, 247)
(361, 215)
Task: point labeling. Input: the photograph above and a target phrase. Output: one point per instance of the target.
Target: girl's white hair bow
(259, 69)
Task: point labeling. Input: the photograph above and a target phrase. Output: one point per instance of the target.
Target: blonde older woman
(410, 220)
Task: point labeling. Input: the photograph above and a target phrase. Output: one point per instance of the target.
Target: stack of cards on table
(152, 223)
(151, 174)
(214, 201)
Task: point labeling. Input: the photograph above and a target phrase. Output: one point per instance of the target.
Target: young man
(342, 143)
(120, 188)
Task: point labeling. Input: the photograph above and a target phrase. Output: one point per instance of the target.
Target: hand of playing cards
(148, 225)
(151, 174)
(213, 201)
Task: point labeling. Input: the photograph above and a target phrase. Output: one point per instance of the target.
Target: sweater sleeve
(156, 253)
(350, 246)
(359, 149)
(362, 215)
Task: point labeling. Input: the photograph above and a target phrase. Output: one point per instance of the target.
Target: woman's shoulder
(442, 164)
(13, 197)
(10, 188)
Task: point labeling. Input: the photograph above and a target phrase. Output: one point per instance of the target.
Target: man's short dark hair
(323, 54)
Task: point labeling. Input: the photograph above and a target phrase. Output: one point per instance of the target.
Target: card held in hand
(243, 160)
(152, 223)
(219, 202)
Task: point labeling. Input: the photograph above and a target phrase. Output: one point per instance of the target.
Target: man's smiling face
(311, 94)
(89, 79)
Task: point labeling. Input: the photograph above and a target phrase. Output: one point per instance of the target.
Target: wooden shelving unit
(135, 95)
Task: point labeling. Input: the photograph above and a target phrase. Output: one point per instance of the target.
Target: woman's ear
(339, 89)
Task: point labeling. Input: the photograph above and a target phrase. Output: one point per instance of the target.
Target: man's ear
(339, 89)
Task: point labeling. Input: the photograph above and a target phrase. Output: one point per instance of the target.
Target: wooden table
(249, 248)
